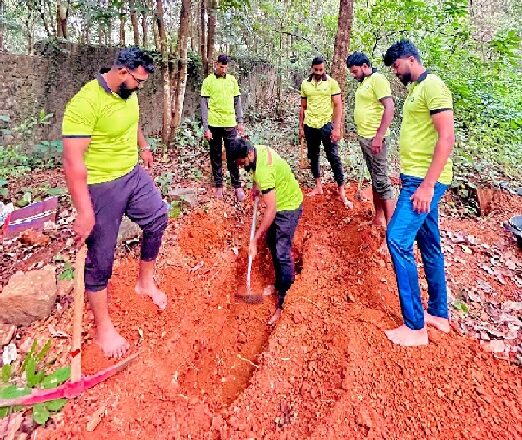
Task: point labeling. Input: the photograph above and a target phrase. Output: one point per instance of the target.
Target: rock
(6, 333)
(28, 296)
(189, 195)
(512, 306)
(495, 346)
(485, 198)
(128, 230)
(65, 287)
(241, 338)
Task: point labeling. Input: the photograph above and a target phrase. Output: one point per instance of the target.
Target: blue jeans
(405, 227)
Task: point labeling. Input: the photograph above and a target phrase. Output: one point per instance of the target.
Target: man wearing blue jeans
(425, 143)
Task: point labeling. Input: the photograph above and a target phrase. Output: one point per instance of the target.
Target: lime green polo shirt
(221, 92)
(112, 125)
(418, 137)
(272, 172)
(368, 109)
(318, 95)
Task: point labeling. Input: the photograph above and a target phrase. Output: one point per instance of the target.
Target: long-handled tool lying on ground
(358, 194)
(77, 383)
(250, 297)
(303, 160)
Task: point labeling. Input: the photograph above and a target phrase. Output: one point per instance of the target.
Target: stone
(495, 346)
(28, 296)
(7, 332)
(189, 195)
(128, 230)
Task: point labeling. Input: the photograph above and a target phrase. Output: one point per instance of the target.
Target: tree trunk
(145, 29)
(44, 19)
(203, 33)
(2, 25)
(134, 21)
(179, 79)
(341, 46)
(162, 42)
(62, 12)
(211, 34)
(122, 24)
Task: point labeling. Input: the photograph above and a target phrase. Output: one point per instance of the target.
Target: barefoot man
(425, 145)
(274, 180)
(102, 140)
(373, 114)
(320, 102)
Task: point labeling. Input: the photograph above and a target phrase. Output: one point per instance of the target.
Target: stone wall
(50, 78)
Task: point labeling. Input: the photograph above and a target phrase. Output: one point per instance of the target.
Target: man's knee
(383, 187)
(158, 224)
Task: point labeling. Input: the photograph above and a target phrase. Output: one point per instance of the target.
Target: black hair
(358, 59)
(104, 70)
(317, 61)
(222, 59)
(400, 49)
(239, 148)
(133, 57)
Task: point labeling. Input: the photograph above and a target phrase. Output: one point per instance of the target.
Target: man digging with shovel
(274, 180)
(102, 140)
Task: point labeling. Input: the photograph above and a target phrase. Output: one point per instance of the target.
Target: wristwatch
(146, 148)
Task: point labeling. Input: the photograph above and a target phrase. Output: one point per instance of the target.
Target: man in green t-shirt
(425, 146)
(321, 104)
(101, 141)
(274, 180)
(373, 114)
(222, 117)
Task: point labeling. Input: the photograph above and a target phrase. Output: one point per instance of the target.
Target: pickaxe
(77, 384)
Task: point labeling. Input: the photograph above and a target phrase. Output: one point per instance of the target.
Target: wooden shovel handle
(79, 299)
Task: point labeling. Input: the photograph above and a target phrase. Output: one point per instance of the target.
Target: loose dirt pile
(209, 368)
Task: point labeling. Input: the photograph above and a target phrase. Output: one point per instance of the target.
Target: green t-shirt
(221, 92)
(272, 172)
(112, 125)
(318, 95)
(368, 107)
(418, 137)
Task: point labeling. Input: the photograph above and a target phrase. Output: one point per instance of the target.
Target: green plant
(67, 274)
(31, 374)
(164, 181)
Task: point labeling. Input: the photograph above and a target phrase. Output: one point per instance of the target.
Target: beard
(124, 92)
(405, 78)
(318, 77)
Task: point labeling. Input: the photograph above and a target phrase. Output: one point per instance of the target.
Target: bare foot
(407, 337)
(275, 317)
(318, 190)
(441, 324)
(111, 342)
(379, 221)
(218, 193)
(158, 297)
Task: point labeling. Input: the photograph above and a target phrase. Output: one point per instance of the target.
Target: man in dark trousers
(222, 117)
(321, 104)
(274, 180)
(102, 142)
(425, 146)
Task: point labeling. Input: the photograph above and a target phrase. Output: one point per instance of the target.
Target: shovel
(249, 297)
(303, 161)
(78, 383)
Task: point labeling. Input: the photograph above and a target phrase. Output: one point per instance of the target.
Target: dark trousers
(314, 137)
(279, 238)
(135, 195)
(220, 134)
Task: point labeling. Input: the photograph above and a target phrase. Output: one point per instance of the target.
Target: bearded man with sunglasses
(102, 142)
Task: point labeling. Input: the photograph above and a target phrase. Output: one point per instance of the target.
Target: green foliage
(67, 274)
(164, 182)
(33, 369)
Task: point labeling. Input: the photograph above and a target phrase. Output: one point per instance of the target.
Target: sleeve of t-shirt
(381, 87)
(438, 96)
(236, 88)
(79, 118)
(303, 94)
(265, 179)
(334, 87)
(205, 89)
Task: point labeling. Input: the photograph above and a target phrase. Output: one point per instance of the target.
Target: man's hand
(255, 193)
(336, 135)
(377, 143)
(207, 135)
(83, 226)
(422, 197)
(301, 132)
(240, 130)
(252, 248)
(148, 159)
